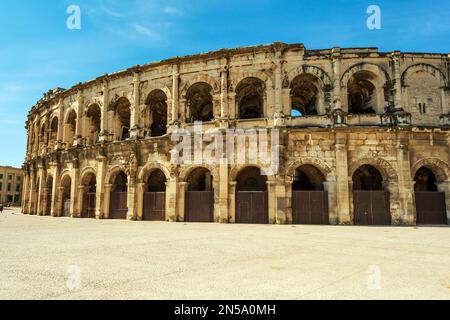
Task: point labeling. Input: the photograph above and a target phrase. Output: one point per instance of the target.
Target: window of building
(9, 187)
(1, 186)
(10, 177)
(1, 176)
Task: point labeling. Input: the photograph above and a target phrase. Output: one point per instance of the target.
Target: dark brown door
(199, 206)
(431, 208)
(310, 207)
(88, 205)
(48, 204)
(118, 205)
(154, 206)
(252, 207)
(371, 208)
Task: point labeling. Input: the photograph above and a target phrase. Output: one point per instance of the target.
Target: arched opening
(155, 117)
(53, 135)
(250, 98)
(70, 127)
(251, 197)
(370, 201)
(66, 197)
(89, 183)
(430, 203)
(304, 95)
(42, 135)
(122, 119)
(94, 118)
(309, 198)
(118, 207)
(200, 102)
(48, 195)
(362, 93)
(200, 196)
(155, 197)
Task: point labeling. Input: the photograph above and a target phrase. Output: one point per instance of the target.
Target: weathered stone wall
(408, 93)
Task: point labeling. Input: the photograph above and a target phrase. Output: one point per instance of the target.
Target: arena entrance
(200, 197)
(252, 197)
(155, 197)
(309, 198)
(118, 207)
(66, 184)
(430, 204)
(89, 183)
(371, 204)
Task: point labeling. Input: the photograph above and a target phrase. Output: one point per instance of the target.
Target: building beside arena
(362, 137)
(11, 180)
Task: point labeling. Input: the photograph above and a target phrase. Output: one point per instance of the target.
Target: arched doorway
(362, 93)
(66, 197)
(48, 195)
(200, 196)
(94, 116)
(309, 198)
(70, 128)
(430, 203)
(118, 207)
(370, 201)
(89, 183)
(155, 117)
(199, 100)
(250, 94)
(122, 119)
(155, 197)
(251, 197)
(305, 89)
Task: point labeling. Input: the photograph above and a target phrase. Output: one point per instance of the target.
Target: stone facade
(11, 180)
(336, 110)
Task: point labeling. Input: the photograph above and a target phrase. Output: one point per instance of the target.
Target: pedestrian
(1, 207)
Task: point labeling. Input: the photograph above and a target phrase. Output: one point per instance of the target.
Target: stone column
(26, 181)
(103, 136)
(278, 84)
(223, 190)
(40, 192)
(131, 198)
(140, 200)
(181, 200)
(175, 95)
(342, 179)
(397, 79)
(74, 209)
(407, 210)
(54, 204)
(280, 201)
(135, 114)
(31, 196)
(80, 195)
(59, 135)
(101, 191)
(59, 201)
(79, 125)
(224, 93)
(106, 202)
(171, 199)
(330, 187)
(271, 196)
(232, 202)
(336, 60)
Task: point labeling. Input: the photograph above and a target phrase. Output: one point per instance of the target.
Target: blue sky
(38, 52)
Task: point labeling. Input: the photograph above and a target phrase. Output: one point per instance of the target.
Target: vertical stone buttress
(405, 181)
(134, 120)
(342, 179)
(104, 118)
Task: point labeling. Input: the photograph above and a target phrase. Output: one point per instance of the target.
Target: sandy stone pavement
(63, 258)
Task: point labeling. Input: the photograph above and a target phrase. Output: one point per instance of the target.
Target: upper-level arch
(318, 72)
(423, 67)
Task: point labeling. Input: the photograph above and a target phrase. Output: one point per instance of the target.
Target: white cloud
(145, 31)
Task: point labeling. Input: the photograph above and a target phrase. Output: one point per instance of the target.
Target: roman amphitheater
(363, 139)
